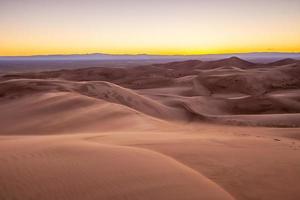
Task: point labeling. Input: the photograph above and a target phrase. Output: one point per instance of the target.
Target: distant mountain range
(257, 57)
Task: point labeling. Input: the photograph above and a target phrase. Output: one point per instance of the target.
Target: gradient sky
(31, 27)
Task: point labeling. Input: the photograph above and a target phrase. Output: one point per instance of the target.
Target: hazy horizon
(146, 54)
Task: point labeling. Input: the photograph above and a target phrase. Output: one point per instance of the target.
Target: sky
(168, 27)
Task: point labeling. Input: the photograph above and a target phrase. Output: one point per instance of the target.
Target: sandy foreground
(188, 162)
(69, 139)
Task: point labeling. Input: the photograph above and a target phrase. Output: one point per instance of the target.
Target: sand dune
(66, 168)
(14, 89)
(64, 113)
(180, 130)
(198, 90)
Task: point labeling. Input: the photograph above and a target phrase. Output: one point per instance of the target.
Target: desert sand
(226, 129)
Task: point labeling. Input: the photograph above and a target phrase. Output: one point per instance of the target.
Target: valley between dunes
(226, 129)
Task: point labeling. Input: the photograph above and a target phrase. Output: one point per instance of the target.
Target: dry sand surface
(226, 129)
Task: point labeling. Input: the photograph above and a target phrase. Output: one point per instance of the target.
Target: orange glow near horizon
(18, 52)
(142, 27)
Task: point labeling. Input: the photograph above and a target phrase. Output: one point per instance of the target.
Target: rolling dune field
(211, 130)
